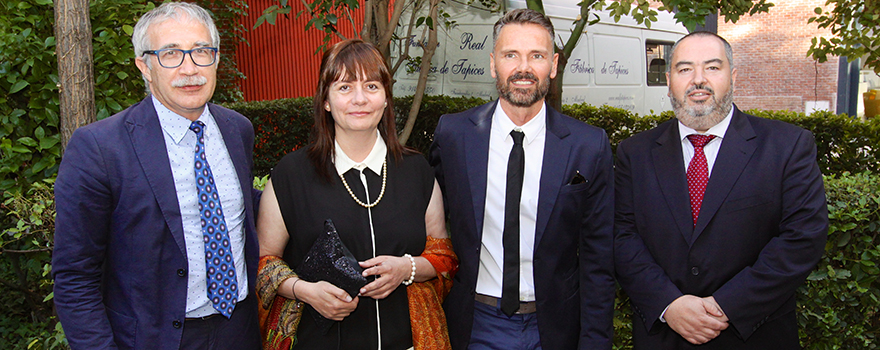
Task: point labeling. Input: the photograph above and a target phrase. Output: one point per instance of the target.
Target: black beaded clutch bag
(329, 260)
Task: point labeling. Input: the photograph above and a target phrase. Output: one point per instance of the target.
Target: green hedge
(843, 143)
(280, 126)
(840, 303)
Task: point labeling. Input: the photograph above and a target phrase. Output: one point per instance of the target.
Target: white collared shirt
(490, 276)
(180, 142)
(710, 149)
(373, 161)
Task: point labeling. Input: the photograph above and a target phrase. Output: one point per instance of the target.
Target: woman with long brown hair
(383, 200)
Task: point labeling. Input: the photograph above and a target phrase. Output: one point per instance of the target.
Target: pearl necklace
(381, 193)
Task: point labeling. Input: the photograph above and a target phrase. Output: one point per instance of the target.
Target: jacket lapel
(553, 171)
(235, 148)
(736, 150)
(669, 168)
(477, 158)
(149, 146)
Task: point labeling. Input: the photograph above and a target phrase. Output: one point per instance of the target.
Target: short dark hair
(523, 16)
(728, 51)
(355, 59)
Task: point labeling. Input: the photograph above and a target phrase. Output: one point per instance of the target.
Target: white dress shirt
(711, 148)
(180, 142)
(489, 278)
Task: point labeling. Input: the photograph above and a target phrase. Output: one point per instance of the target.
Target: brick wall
(769, 51)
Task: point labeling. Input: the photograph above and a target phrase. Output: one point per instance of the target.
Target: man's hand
(714, 309)
(697, 320)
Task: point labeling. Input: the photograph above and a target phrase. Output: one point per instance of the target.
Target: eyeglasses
(173, 58)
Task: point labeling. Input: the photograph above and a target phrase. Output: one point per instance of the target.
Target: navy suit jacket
(120, 262)
(573, 259)
(762, 228)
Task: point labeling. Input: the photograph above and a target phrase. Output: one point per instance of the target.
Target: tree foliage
(29, 140)
(853, 24)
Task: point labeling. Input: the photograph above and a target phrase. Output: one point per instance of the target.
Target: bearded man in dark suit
(720, 215)
(535, 245)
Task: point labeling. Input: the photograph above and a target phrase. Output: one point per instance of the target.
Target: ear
(555, 64)
(142, 66)
(492, 65)
(733, 79)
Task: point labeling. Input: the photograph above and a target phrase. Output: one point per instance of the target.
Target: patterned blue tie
(222, 283)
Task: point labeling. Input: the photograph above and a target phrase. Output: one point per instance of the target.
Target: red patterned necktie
(698, 173)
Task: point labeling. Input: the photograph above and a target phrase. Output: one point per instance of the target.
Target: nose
(699, 78)
(188, 67)
(524, 64)
(360, 96)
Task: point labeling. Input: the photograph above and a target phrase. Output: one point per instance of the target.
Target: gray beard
(522, 97)
(703, 115)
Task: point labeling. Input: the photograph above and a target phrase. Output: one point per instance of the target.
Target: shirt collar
(374, 160)
(718, 129)
(531, 129)
(175, 125)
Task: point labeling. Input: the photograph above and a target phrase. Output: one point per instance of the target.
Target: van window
(658, 54)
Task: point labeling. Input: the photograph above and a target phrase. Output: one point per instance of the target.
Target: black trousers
(239, 332)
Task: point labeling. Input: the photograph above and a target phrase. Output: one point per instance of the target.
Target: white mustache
(196, 80)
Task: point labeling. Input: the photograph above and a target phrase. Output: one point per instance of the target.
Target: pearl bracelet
(412, 275)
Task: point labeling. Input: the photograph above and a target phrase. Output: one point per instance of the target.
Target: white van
(620, 64)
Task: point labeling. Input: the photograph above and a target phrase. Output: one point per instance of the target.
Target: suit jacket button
(181, 272)
(695, 271)
(176, 324)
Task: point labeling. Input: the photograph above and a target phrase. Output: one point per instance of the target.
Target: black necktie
(515, 168)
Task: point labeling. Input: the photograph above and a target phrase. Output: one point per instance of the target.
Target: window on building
(658, 54)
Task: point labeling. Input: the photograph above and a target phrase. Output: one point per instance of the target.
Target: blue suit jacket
(120, 262)
(573, 262)
(761, 230)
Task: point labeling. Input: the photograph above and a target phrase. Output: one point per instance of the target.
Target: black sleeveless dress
(306, 200)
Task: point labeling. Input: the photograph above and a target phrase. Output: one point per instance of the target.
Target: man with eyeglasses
(155, 246)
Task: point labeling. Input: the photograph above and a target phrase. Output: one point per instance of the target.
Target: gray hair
(523, 16)
(169, 10)
(728, 51)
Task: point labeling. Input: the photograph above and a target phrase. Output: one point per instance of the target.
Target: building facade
(770, 53)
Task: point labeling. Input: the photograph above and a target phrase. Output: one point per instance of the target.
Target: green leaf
(20, 149)
(21, 84)
(49, 142)
(817, 275)
(844, 239)
(113, 105)
(27, 141)
(129, 30)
